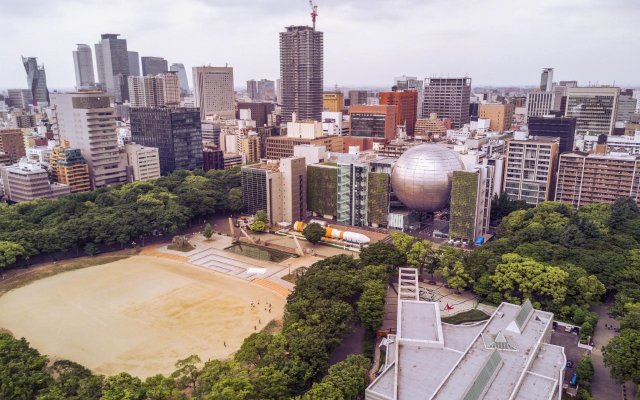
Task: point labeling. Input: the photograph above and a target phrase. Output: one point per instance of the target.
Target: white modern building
(27, 181)
(144, 162)
(213, 91)
(304, 130)
(539, 103)
(615, 144)
(507, 357)
(160, 90)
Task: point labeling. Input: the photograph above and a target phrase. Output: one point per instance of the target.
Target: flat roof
(419, 320)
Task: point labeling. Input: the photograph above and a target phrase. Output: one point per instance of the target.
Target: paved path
(603, 385)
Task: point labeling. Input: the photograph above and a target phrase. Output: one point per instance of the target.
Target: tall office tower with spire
(182, 77)
(36, 79)
(134, 63)
(154, 65)
(449, 98)
(546, 79)
(113, 65)
(213, 91)
(301, 68)
(83, 63)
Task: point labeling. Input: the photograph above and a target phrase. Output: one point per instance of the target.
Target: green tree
(585, 372)
(258, 226)
(313, 232)
(261, 215)
(234, 202)
(518, 278)
(186, 373)
(23, 371)
(90, 249)
(631, 319)
(208, 231)
(622, 210)
(422, 256)
(456, 276)
(589, 289)
(381, 253)
(502, 206)
(123, 387)
(9, 253)
(402, 241)
(622, 356)
(159, 387)
(371, 305)
(270, 383)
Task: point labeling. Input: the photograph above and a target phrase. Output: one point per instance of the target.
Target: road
(603, 385)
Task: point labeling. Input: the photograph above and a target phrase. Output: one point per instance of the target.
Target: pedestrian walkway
(154, 252)
(274, 287)
(603, 385)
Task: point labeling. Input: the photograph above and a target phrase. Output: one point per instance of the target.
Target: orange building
(500, 115)
(332, 101)
(406, 103)
(377, 122)
(70, 168)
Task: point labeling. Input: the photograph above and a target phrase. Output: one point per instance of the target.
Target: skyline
(179, 33)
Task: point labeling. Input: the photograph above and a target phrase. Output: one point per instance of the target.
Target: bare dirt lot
(138, 315)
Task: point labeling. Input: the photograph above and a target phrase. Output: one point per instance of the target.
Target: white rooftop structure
(505, 357)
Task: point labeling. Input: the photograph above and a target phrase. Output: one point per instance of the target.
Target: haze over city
(496, 42)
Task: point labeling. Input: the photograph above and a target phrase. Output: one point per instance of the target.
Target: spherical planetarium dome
(422, 176)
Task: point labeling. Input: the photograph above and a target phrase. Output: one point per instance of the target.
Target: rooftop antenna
(314, 13)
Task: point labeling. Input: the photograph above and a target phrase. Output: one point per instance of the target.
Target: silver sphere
(421, 178)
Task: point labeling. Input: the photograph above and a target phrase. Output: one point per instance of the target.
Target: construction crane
(314, 13)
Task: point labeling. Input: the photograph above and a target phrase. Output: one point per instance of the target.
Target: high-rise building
(470, 209)
(266, 90)
(252, 89)
(182, 77)
(301, 71)
(597, 178)
(627, 105)
(154, 90)
(88, 122)
(12, 144)
(500, 115)
(377, 122)
(212, 158)
(112, 60)
(594, 108)
(406, 103)
(20, 98)
(260, 112)
(83, 63)
(550, 126)
(23, 120)
(71, 169)
(134, 63)
(277, 187)
(449, 98)
(411, 83)
(358, 97)
(36, 79)
(332, 101)
(144, 162)
(175, 132)
(539, 104)
(213, 91)
(27, 181)
(153, 65)
(546, 79)
(531, 165)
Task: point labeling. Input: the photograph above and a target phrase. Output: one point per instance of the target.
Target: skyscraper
(546, 79)
(153, 65)
(266, 90)
(182, 76)
(88, 122)
(83, 63)
(36, 79)
(252, 89)
(213, 91)
(411, 83)
(134, 63)
(301, 72)
(594, 108)
(154, 90)
(406, 103)
(113, 65)
(449, 98)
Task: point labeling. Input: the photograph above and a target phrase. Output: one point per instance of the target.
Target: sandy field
(137, 315)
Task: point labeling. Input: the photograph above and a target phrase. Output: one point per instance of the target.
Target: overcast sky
(366, 42)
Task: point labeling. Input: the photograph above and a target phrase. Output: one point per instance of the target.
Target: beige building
(432, 127)
(160, 90)
(12, 143)
(278, 147)
(332, 101)
(500, 115)
(27, 181)
(278, 187)
(144, 162)
(213, 91)
(88, 122)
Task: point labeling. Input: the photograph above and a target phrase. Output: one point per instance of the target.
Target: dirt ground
(138, 315)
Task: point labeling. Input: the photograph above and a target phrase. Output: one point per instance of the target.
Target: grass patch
(293, 278)
(32, 275)
(186, 248)
(274, 326)
(473, 315)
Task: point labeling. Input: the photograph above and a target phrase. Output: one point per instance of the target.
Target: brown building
(363, 143)
(12, 143)
(332, 101)
(500, 115)
(377, 122)
(597, 178)
(260, 112)
(72, 170)
(406, 103)
(212, 158)
(282, 146)
(432, 126)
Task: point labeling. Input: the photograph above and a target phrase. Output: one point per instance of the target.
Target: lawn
(473, 315)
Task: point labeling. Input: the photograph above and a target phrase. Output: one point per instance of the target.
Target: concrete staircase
(219, 261)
